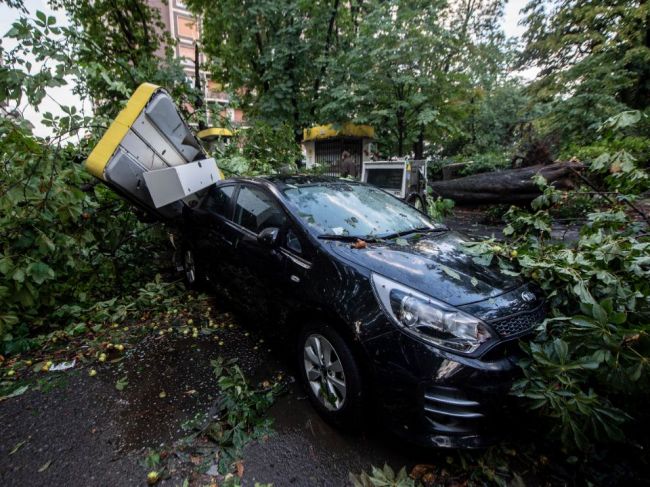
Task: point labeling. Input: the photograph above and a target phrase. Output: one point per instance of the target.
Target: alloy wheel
(188, 266)
(324, 372)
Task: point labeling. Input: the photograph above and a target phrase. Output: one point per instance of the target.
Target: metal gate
(328, 154)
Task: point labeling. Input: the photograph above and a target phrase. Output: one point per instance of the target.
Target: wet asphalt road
(82, 431)
(305, 450)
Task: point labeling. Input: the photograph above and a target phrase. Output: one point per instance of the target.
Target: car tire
(335, 390)
(192, 274)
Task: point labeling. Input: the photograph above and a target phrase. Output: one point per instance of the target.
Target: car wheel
(191, 274)
(330, 375)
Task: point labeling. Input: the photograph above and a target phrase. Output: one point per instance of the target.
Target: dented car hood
(436, 264)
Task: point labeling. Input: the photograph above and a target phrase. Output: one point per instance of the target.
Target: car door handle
(225, 240)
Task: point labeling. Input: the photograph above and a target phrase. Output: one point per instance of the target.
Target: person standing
(348, 166)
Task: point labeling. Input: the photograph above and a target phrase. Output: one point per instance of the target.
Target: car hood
(435, 264)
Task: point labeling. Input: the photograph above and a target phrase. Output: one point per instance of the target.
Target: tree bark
(326, 49)
(508, 186)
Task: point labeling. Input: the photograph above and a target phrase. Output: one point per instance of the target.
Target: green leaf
(17, 392)
(121, 384)
(40, 272)
(561, 349)
(19, 275)
(450, 272)
(18, 446)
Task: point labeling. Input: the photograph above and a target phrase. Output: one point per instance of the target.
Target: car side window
(257, 210)
(293, 242)
(218, 200)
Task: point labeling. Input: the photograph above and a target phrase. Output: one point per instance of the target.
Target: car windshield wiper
(414, 230)
(347, 238)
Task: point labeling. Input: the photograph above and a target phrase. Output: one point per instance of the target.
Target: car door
(211, 236)
(295, 283)
(259, 267)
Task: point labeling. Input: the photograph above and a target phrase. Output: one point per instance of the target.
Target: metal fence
(328, 154)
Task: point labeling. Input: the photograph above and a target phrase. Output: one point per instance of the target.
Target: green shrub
(65, 241)
(588, 366)
(438, 208)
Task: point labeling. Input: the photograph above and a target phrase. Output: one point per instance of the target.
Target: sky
(64, 96)
(511, 18)
(61, 95)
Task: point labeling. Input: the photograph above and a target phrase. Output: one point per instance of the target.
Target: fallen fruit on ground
(152, 477)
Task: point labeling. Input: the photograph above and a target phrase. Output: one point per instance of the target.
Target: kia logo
(528, 296)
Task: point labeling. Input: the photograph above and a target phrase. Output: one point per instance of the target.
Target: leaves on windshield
(359, 244)
(402, 242)
(450, 272)
(352, 221)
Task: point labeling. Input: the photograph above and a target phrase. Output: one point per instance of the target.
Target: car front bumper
(437, 399)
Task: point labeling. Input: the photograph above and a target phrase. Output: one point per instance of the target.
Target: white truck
(404, 178)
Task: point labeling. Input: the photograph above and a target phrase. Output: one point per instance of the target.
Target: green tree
(594, 61)
(65, 243)
(117, 45)
(414, 67)
(273, 55)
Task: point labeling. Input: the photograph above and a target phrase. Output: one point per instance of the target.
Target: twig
(592, 186)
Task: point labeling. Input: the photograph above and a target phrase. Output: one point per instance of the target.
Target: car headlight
(429, 319)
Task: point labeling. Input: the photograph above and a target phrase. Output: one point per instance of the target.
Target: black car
(386, 308)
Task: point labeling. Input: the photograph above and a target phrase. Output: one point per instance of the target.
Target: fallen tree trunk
(508, 186)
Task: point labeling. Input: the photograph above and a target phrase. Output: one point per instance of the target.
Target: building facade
(185, 28)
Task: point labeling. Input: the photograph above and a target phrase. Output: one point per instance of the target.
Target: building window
(186, 28)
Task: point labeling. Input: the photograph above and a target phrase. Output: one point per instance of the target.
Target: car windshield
(350, 209)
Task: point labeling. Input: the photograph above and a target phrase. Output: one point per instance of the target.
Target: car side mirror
(269, 236)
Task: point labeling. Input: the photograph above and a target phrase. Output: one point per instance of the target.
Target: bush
(64, 241)
(588, 366)
(587, 369)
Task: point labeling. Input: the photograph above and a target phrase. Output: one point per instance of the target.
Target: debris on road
(63, 366)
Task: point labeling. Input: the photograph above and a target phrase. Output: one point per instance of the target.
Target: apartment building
(186, 29)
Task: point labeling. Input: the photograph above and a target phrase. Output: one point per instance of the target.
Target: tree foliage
(275, 55)
(405, 66)
(118, 45)
(594, 60)
(588, 368)
(65, 242)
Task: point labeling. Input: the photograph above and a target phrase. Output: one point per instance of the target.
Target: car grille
(519, 323)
